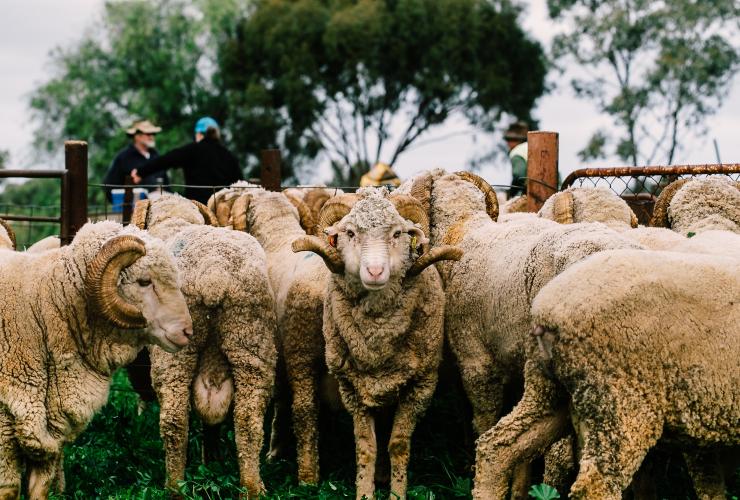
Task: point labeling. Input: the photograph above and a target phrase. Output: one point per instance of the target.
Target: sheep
(7, 236)
(699, 204)
(628, 378)
(69, 318)
(48, 243)
(232, 354)
(490, 290)
(383, 319)
(599, 204)
(299, 282)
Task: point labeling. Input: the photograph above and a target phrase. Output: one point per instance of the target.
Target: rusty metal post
(270, 169)
(542, 168)
(128, 199)
(74, 190)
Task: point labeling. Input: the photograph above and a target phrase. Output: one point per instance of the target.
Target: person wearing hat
(134, 155)
(516, 139)
(205, 162)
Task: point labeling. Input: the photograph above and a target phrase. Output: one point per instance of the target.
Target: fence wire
(641, 186)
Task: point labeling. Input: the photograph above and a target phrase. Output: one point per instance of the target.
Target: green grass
(120, 455)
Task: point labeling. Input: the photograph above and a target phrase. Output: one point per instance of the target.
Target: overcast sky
(29, 29)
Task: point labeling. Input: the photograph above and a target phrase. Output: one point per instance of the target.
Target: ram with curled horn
(69, 318)
(376, 246)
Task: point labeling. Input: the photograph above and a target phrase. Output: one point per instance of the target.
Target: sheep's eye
(144, 282)
(350, 233)
(397, 234)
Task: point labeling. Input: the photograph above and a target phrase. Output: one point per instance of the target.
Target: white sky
(29, 29)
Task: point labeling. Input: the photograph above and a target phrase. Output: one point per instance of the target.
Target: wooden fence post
(128, 200)
(270, 169)
(74, 190)
(542, 168)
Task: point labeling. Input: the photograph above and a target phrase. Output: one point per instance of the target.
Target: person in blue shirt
(205, 162)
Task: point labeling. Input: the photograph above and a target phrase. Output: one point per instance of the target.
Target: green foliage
(120, 455)
(657, 68)
(337, 76)
(544, 492)
(140, 60)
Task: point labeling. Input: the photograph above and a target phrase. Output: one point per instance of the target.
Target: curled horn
(141, 212)
(239, 213)
(633, 219)
(331, 256)
(334, 209)
(223, 203)
(101, 281)
(563, 207)
(421, 189)
(208, 216)
(436, 254)
(410, 208)
(660, 210)
(315, 199)
(9, 230)
(308, 222)
(488, 192)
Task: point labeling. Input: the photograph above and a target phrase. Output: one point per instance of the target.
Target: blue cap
(204, 124)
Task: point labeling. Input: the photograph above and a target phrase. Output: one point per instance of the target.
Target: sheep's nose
(375, 271)
(188, 331)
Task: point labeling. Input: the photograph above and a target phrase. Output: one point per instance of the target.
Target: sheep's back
(662, 325)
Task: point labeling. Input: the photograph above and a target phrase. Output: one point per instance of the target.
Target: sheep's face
(375, 242)
(152, 284)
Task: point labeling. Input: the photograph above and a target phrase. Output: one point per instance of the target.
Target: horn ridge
(563, 207)
(141, 213)
(660, 209)
(101, 281)
(11, 233)
(488, 192)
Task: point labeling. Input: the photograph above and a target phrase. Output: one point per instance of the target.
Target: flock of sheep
(617, 336)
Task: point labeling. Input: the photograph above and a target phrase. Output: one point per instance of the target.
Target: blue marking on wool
(177, 247)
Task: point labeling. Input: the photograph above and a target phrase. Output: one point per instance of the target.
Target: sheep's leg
(410, 408)
(483, 385)
(40, 478)
(60, 483)
(706, 473)
(250, 404)
(539, 419)
(305, 411)
(560, 464)
(10, 461)
(172, 376)
(280, 425)
(616, 428)
(366, 448)
(29, 414)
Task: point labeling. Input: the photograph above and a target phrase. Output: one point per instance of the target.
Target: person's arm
(178, 157)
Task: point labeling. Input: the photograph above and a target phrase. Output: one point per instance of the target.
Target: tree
(361, 80)
(658, 68)
(141, 60)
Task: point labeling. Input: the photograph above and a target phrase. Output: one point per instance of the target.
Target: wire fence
(641, 186)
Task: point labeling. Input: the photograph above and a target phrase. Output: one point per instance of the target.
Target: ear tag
(413, 243)
(333, 240)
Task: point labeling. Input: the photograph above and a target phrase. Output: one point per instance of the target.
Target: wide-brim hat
(517, 131)
(380, 175)
(144, 127)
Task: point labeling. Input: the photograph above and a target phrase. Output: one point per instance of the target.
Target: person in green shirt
(516, 139)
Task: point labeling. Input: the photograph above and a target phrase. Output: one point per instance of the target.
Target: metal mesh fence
(641, 186)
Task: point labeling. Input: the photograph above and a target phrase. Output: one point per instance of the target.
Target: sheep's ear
(436, 254)
(141, 212)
